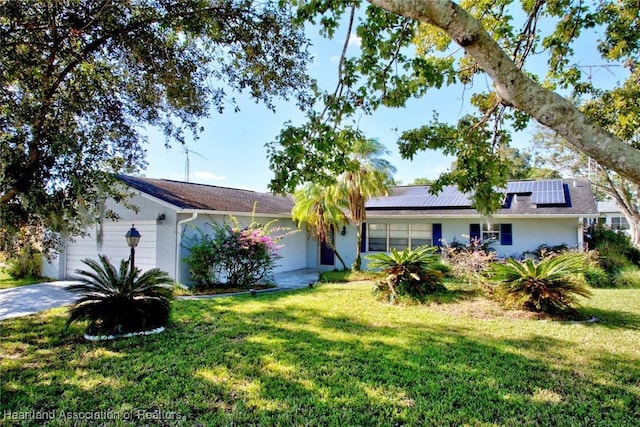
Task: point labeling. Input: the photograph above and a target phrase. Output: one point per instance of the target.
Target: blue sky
(231, 152)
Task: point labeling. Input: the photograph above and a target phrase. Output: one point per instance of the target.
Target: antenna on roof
(186, 162)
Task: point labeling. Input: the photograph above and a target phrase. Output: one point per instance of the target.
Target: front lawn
(6, 281)
(331, 355)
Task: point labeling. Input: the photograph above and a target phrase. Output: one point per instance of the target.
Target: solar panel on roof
(419, 197)
(548, 193)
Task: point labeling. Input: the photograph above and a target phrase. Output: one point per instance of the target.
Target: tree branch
(516, 89)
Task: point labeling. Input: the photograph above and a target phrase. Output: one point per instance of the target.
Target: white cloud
(206, 176)
(354, 40)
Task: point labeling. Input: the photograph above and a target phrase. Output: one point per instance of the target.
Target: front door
(327, 257)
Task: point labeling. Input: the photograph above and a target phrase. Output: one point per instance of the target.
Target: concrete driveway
(25, 300)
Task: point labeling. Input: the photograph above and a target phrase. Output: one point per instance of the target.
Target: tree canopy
(81, 80)
(409, 48)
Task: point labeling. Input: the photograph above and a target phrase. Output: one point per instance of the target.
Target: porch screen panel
(378, 237)
(398, 236)
(421, 235)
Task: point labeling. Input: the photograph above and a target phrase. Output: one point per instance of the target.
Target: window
(502, 233)
(378, 237)
(490, 231)
(421, 235)
(384, 237)
(619, 223)
(398, 236)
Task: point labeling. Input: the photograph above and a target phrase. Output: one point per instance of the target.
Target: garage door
(114, 245)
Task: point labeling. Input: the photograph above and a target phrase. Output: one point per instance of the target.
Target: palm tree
(120, 301)
(315, 207)
(549, 286)
(367, 179)
(410, 272)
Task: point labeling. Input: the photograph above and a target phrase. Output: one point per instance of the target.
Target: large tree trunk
(515, 88)
(357, 263)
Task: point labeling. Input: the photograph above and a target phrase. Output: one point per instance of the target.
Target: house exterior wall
(345, 245)
(150, 210)
(293, 251)
(527, 233)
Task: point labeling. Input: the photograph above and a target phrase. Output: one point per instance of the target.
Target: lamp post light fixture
(133, 237)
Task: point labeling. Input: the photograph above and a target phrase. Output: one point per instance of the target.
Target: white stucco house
(534, 213)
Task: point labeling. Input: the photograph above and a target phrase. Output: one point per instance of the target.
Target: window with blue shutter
(506, 234)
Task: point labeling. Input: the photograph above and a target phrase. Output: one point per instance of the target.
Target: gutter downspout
(179, 225)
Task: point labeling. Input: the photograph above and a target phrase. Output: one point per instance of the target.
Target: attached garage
(114, 246)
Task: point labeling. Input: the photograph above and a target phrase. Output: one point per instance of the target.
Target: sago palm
(120, 301)
(409, 272)
(550, 286)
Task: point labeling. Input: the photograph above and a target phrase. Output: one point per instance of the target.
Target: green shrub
(442, 268)
(27, 263)
(549, 286)
(628, 278)
(616, 250)
(409, 273)
(120, 301)
(201, 261)
(596, 277)
(232, 255)
(546, 251)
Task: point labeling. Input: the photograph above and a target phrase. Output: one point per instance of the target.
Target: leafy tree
(79, 80)
(120, 301)
(368, 179)
(555, 152)
(406, 49)
(316, 207)
(422, 181)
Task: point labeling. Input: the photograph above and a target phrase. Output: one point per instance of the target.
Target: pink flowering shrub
(232, 255)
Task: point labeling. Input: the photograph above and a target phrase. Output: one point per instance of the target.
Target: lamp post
(133, 237)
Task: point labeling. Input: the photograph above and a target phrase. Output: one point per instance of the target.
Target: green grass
(6, 281)
(331, 355)
(344, 276)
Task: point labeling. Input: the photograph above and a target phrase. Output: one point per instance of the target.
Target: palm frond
(117, 301)
(552, 285)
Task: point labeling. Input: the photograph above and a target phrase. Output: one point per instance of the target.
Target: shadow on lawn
(613, 319)
(274, 360)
